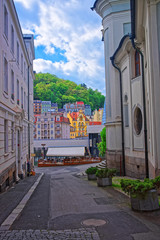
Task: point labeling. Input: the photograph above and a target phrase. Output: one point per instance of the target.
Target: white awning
(66, 152)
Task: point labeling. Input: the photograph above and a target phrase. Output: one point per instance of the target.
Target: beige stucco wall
(9, 109)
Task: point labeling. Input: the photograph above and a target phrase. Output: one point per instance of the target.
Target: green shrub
(91, 170)
(156, 182)
(137, 187)
(102, 145)
(105, 173)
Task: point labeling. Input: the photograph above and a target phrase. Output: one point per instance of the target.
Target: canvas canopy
(66, 152)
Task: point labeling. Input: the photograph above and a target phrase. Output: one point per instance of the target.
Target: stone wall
(8, 177)
(135, 167)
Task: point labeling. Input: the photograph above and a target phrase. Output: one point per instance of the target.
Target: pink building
(51, 126)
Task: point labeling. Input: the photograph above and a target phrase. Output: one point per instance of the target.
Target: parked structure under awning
(66, 152)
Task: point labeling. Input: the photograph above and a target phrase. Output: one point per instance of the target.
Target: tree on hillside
(48, 87)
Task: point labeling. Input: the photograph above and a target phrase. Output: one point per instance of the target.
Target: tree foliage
(102, 144)
(48, 87)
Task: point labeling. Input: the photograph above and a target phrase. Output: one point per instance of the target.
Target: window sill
(12, 151)
(5, 95)
(6, 154)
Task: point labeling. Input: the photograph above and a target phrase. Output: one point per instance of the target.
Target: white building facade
(136, 61)
(16, 96)
(116, 22)
(141, 91)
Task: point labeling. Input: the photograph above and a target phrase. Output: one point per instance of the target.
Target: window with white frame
(24, 71)
(5, 75)
(5, 136)
(17, 52)
(137, 63)
(12, 136)
(126, 28)
(22, 63)
(25, 135)
(12, 38)
(22, 97)
(5, 22)
(24, 101)
(22, 137)
(12, 85)
(17, 91)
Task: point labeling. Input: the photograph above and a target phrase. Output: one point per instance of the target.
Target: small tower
(116, 23)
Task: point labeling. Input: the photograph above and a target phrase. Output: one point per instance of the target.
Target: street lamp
(43, 147)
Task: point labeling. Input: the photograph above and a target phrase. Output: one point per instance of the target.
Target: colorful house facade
(78, 124)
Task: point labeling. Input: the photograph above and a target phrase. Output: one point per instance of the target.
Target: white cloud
(27, 31)
(71, 27)
(75, 37)
(26, 3)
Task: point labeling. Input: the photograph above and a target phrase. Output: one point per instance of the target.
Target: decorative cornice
(106, 7)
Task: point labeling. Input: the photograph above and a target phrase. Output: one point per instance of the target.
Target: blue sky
(67, 39)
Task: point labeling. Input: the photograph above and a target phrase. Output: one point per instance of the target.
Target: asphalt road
(66, 202)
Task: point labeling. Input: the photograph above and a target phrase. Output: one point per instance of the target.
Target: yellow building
(78, 124)
(97, 115)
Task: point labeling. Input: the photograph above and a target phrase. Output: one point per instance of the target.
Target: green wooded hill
(48, 87)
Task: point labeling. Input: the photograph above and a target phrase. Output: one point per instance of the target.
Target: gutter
(132, 38)
(121, 101)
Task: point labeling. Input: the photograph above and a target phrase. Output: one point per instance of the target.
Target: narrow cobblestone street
(66, 206)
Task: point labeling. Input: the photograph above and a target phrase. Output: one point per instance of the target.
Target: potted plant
(104, 177)
(143, 194)
(91, 173)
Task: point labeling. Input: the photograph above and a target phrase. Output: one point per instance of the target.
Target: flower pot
(92, 177)
(103, 182)
(33, 173)
(147, 202)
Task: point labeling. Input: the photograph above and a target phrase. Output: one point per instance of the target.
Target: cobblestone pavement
(78, 234)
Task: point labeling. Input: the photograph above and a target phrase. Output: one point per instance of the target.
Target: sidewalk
(11, 198)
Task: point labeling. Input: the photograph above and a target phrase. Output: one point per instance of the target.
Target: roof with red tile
(62, 120)
(95, 123)
(82, 103)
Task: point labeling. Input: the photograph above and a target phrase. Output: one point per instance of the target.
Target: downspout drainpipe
(144, 107)
(29, 150)
(132, 38)
(122, 120)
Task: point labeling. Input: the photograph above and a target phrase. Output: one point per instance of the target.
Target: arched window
(137, 64)
(138, 120)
